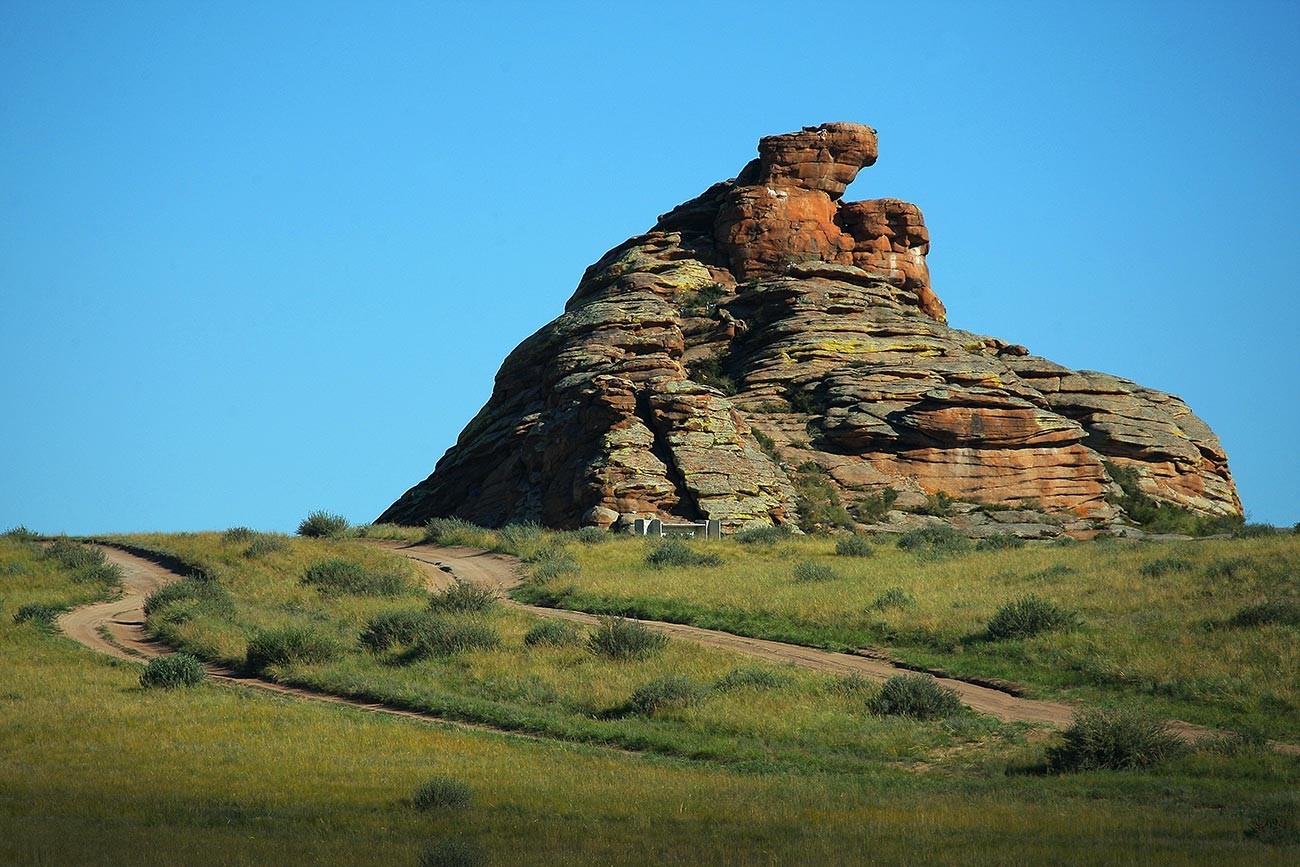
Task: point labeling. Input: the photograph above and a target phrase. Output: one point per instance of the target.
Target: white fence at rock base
(695, 530)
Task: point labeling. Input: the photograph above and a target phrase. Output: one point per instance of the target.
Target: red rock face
(768, 305)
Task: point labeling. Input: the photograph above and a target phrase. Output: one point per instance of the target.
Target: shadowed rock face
(768, 305)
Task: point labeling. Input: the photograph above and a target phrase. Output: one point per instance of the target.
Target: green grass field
(96, 770)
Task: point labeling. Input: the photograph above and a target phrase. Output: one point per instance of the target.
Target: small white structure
(695, 529)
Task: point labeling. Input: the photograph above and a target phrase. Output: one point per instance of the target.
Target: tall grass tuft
(451, 853)
(676, 552)
(323, 525)
(398, 628)
(238, 535)
(289, 645)
(442, 793)
(1114, 739)
(618, 638)
(463, 598)
(39, 614)
(20, 534)
(182, 600)
(337, 575)
(934, 542)
(74, 555)
(170, 672)
(674, 691)
(265, 544)
(457, 533)
(894, 597)
(810, 571)
(444, 637)
(1266, 614)
(916, 696)
(555, 633)
(763, 535)
(752, 677)
(853, 545)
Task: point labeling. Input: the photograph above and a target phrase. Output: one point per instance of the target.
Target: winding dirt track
(117, 629)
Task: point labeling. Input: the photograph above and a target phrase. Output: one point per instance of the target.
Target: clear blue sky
(263, 258)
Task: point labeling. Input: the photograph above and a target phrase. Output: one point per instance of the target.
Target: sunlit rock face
(767, 336)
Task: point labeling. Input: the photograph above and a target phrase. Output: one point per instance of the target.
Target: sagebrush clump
(323, 525)
(554, 633)
(934, 542)
(810, 571)
(915, 696)
(853, 545)
(1028, 616)
(1114, 739)
(618, 638)
(763, 535)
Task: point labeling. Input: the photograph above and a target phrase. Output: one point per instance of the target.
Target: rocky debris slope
(768, 353)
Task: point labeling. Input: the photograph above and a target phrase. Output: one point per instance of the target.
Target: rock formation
(767, 348)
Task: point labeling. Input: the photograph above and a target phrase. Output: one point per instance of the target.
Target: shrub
(999, 542)
(872, 509)
(556, 633)
(514, 538)
(851, 685)
(169, 672)
(74, 555)
(752, 677)
(1029, 616)
(853, 545)
(818, 501)
(188, 597)
(236, 535)
(710, 371)
(1114, 739)
(289, 645)
(442, 793)
(592, 536)
(550, 561)
(457, 532)
(337, 575)
(938, 504)
(463, 598)
(1267, 613)
(20, 534)
(440, 636)
(397, 628)
(763, 535)
(894, 597)
(670, 691)
(1255, 531)
(323, 525)
(450, 853)
(39, 613)
(934, 542)
(266, 543)
(916, 696)
(1164, 566)
(618, 638)
(809, 571)
(676, 552)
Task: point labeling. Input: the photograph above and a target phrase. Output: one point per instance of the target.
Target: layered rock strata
(766, 331)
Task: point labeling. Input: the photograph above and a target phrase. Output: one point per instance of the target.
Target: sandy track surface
(501, 572)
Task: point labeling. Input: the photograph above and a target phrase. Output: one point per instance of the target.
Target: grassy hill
(685, 755)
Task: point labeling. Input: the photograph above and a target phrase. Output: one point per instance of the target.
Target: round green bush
(451, 853)
(442, 793)
(853, 545)
(669, 691)
(916, 696)
(1114, 739)
(1029, 616)
(463, 598)
(323, 525)
(556, 633)
(170, 672)
(289, 645)
(809, 571)
(618, 638)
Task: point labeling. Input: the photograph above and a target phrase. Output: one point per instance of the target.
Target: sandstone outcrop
(765, 340)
